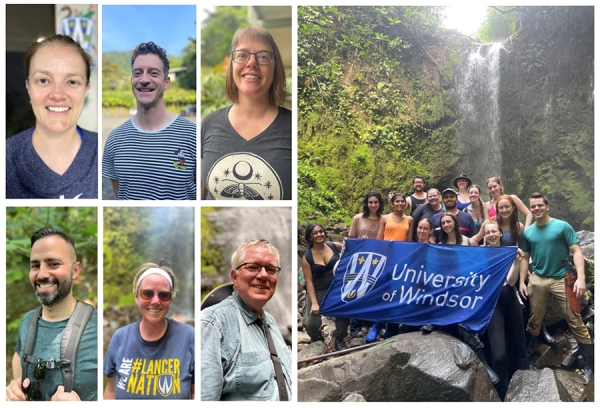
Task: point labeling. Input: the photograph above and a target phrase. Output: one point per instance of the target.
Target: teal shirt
(47, 347)
(235, 359)
(549, 247)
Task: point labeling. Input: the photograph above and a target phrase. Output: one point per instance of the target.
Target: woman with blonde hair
(56, 158)
(155, 344)
(246, 148)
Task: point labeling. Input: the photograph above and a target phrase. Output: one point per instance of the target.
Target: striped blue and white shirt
(152, 165)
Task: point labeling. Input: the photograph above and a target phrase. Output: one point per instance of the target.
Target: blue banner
(416, 284)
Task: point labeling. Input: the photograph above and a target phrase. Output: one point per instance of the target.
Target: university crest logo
(362, 272)
(165, 384)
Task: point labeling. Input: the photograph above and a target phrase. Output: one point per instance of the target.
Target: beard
(63, 289)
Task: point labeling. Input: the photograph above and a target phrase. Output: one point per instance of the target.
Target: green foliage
(365, 116)
(211, 258)
(497, 27)
(213, 89)
(134, 236)
(217, 31)
(187, 79)
(79, 223)
(174, 97)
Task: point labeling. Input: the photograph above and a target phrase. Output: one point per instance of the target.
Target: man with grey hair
(244, 356)
(41, 370)
(151, 156)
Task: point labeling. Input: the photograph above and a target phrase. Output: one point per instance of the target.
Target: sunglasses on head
(148, 294)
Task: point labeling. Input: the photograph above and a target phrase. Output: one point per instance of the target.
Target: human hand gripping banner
(416, 283)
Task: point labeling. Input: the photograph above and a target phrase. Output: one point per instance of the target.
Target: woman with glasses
(154, 357)
(246, 148)
(317, 266)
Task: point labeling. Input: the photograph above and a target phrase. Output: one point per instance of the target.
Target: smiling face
(424, 230)
(317, 234)
(256, 289)
(418, 185)
(462, 184)
(373, 204)
(474, 194)
(492, 234)
(449, 200)
(505, 208)
(447, 224)
(148, 80)
(252, 79)
(433, 198)
(494, 189)
(153, 311)
(399, 204)
(539, 209)
(57, 87)
(52, 269)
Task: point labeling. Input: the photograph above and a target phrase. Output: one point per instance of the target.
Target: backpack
(68, 345)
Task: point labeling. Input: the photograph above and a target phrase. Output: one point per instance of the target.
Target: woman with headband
(154, 357)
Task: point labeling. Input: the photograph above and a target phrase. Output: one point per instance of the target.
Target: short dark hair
(48, 232)
(418, 177)
(539, 195)
(151, 48)
(62, 40)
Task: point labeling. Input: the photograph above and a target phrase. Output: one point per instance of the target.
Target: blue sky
(124, 27)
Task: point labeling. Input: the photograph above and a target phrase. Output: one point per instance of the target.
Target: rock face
(414, 367)
(545, 386)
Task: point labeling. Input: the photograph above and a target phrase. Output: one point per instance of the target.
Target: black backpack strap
(331, 245)
(30, 342)
(70, 341)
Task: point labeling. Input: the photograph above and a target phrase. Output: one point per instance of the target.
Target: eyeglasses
(255, 268)
(148, 294)
(262, 57)
(34, 391)
(433, 196)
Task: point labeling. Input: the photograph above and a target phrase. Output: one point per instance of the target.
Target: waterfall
(478, 138)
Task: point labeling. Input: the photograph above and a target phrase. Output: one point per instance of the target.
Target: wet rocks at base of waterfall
(413, 367)
(546, 385)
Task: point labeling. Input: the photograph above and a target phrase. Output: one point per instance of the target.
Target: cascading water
(478, 138)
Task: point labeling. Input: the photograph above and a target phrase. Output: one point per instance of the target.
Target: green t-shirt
(47, 347)
(549, 247)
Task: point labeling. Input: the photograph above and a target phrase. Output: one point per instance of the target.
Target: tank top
(506, 239)
(396, 231)
(416, 202)
(322, 274)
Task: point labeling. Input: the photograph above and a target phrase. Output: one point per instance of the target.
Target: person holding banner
(506, 331)
(317, 265)
(507, 218)
(56, 158)
(549, 242)
(425, 231)
(366, 224)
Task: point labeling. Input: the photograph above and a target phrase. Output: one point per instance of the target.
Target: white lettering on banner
(422, 277)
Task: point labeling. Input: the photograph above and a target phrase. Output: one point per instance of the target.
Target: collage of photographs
(393, 203)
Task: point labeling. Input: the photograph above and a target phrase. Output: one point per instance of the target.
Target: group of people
(463, 218)
(246, 148)
(244, 356)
